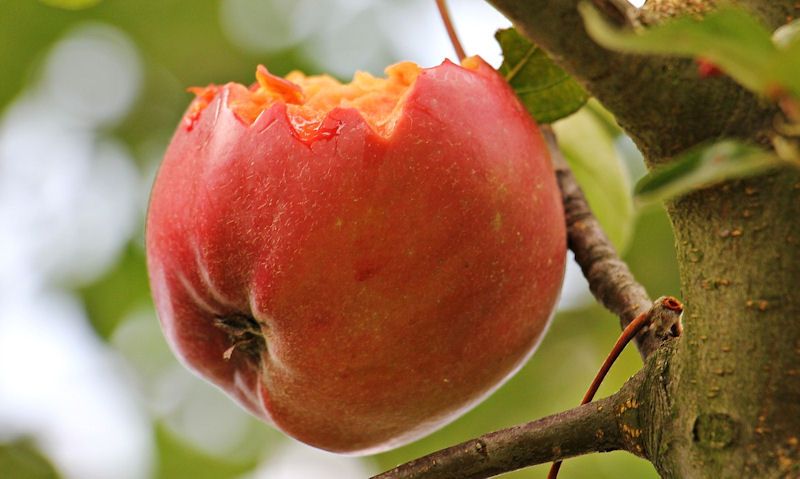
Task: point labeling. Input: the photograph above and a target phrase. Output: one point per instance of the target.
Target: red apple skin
(397, 281)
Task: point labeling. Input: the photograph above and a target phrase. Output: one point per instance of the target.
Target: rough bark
(605, 425)
(724, 399)
(731, 407)
(660, 102)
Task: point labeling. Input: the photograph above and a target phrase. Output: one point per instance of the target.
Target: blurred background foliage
(91, 92)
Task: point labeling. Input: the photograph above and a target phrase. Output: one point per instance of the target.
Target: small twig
(610, 279)
(588, 428)
(451, 29)
(664, 317)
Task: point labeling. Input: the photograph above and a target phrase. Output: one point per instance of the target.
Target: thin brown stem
(451, 30)
(624, 338)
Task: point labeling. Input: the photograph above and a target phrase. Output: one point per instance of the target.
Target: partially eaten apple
(357, 264)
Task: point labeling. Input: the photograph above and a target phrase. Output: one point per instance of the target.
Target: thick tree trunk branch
(661, 102)
(730, 405)
(604, 425)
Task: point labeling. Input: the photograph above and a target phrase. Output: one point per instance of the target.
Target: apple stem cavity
(244, 333)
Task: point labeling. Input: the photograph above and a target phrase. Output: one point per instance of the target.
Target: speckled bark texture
(724, 399)
(732, 391)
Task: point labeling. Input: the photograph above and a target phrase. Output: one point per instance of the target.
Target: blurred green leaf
(21, 460)
(177, 458)
(730, 38)
(587, 142)
(121, 290)
(704, 166)
(547, 91)
(22, 43)
(604, 117)
(71, 4)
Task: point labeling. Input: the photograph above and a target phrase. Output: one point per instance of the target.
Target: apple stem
(664, 315)
(451, 31)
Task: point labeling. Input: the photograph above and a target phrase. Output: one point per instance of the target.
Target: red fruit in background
(357, 264)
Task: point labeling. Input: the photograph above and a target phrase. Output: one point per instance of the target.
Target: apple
(357, 264)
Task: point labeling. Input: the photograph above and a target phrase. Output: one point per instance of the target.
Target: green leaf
(705, 166)
(730, 38)
(547, 91)
(71, 4)
(21, 460)
(587, 141)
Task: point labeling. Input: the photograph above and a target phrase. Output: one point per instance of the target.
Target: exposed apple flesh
(358, 275)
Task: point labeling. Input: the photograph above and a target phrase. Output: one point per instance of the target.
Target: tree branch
(594, 427)
(661, 102)
(610, 279)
